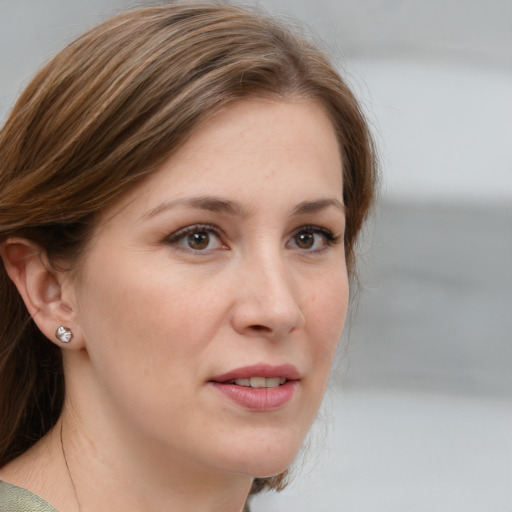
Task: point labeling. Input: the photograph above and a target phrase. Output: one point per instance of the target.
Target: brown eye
(305, 240)
(198, 240)
(313, 239)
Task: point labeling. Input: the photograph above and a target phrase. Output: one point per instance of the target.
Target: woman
(180, 194)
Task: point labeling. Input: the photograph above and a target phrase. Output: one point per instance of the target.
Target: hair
(104, 114)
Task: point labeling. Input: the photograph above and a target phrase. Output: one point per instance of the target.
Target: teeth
(261, 382)
(258, 382)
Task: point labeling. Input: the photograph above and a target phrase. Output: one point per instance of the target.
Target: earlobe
(39, 285)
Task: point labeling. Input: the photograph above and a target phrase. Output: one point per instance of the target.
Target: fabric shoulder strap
(17, 499)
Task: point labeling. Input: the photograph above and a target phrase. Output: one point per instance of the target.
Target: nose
(267, 300)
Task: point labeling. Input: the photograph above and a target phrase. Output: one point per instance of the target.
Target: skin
(156, 314)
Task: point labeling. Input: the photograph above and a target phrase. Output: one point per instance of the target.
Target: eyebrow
(218, 205)
(319, 205)
(208, 203)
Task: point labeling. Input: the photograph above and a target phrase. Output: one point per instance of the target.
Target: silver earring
(64, 334)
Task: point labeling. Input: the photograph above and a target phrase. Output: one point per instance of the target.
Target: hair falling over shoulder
(106, 112)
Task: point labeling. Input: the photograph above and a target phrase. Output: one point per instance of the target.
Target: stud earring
(64, 334)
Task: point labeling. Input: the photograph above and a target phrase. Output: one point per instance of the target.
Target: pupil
(306, 240)
(198, 240)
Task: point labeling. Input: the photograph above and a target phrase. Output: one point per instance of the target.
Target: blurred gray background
(419, 412)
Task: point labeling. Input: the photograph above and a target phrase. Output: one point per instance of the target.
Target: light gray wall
(32, 31)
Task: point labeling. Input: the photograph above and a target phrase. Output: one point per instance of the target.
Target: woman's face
(212, 298)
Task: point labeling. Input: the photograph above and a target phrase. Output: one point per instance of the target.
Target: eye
(198, 238)
(313, 238)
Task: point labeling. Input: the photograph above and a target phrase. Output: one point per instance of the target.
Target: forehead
(252, 151)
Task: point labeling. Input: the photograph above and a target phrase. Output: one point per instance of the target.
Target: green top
(17, 499)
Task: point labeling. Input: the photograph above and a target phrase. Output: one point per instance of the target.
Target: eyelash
(181, 234)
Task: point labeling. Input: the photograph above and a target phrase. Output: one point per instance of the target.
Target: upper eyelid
(175, 235)
(329, 233)
(312, 227)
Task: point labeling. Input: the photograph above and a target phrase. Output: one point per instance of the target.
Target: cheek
(143, 340)
(147, 322)
(328, 309)
(326, 319)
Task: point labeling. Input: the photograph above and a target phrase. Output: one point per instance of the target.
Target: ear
(41, 288)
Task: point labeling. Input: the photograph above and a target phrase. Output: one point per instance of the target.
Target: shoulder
(18, 499)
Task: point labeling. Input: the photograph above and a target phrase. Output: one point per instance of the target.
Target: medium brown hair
(104, 114)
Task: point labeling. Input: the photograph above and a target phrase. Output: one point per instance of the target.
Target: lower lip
(259, 399)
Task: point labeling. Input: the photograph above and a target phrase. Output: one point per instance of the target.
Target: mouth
(259, 376)
(260, 388)
(258, 382)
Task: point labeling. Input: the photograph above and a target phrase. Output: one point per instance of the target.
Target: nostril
(260, 328)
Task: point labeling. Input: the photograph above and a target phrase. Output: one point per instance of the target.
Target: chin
(262, 468)
(261, 458)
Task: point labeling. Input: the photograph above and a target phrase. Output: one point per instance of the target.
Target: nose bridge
(269, 301)
(272, 275)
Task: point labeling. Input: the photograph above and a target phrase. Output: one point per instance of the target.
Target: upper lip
(288, 371)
